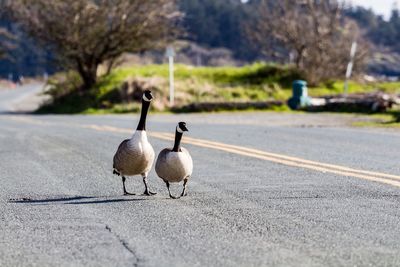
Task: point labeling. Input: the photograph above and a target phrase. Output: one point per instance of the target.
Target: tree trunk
(88, 73)
(300, 55)
(110, 65)
(90, 78)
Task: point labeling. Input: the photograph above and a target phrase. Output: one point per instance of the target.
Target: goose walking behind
(135, 156)
(175, 165)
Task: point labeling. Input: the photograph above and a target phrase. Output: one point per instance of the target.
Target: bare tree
(86, 33)
(312, 32)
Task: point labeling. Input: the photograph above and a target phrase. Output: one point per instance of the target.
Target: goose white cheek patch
(146, 99)
(179, 129)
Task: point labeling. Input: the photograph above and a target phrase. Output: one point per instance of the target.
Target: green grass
(256, 82)
(252, 82)
(257, 73)
(390, 119)
(377, 124)
(337, 87)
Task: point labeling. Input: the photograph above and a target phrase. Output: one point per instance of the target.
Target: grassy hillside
(257, 82)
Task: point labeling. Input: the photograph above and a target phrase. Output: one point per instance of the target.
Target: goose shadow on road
(75, 200)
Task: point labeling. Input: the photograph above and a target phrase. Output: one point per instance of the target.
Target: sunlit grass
(337, 87)
(256, 82)
(373, 124)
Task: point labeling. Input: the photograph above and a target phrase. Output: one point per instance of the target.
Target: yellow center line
(294, 159)
(393, 180)
(314, 166)
(26, 120)
(390, 179)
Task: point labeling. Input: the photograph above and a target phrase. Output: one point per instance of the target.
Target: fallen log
(228, 106)
(361, 102)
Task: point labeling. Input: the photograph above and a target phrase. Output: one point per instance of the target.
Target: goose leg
(147, 191)
(169, 191)
(184, 193)
(123, 184)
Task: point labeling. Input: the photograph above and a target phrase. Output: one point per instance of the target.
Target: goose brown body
(174, 167)
(175, 164)
(134, 156)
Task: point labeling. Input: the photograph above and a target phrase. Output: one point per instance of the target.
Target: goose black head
(182, 127)
(147, 96)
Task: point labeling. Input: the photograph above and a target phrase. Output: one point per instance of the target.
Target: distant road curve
(22, 99)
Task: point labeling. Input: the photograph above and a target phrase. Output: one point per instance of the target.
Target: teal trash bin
(299, 97)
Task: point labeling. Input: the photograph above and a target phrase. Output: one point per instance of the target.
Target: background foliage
(213, 24)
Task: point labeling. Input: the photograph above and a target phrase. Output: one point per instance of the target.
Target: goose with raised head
(135, 156)
(175, 165)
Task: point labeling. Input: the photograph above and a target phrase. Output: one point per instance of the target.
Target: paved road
(61, 206)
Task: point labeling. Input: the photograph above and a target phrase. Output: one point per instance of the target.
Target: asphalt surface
(61, 206)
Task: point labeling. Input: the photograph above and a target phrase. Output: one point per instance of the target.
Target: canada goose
(135, 156)
(176, 164)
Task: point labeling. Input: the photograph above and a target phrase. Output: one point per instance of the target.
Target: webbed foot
(149, 193)
(129, 194)
(174, 197)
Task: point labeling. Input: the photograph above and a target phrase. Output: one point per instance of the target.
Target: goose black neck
(142, 123)
(177, 145)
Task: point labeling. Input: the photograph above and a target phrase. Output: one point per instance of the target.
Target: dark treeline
(210, 23)
(378, 30)
(218, 23)
(26, 58)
